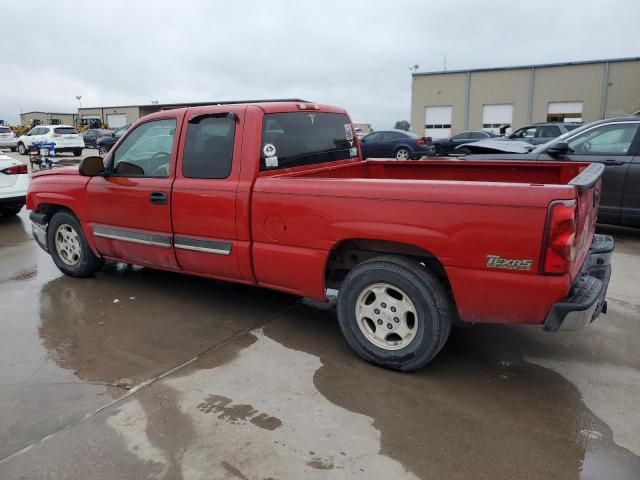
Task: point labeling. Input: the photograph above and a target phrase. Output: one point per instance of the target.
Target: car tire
(396, 282)
(68, 246)
(22, 150)
(102, 151)
(438, 151)
(13, 149)
(77, 153)
(402, 153)
(10, 211)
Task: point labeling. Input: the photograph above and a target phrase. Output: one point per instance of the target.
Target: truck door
(611, 145)
(204, 193)
(130, 208)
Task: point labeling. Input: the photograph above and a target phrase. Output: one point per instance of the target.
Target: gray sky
(355, 54)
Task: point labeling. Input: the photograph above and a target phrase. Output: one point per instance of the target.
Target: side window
(374, 137)
(393, 136)
(146, 152)
(42, 131)
(478, 135)
(208, 150)
(529, 132)
(548, 131)
(613, 139)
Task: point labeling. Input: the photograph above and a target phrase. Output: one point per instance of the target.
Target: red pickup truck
(277, 194)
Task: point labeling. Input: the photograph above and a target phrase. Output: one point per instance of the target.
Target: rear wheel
(77, 153)
(403, 154)
(438, 151)
(102, 151)
(394, 312)
(22, 150)
(68, 247)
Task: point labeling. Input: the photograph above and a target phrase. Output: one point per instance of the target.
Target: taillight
(16, 170)
(420, 141)
(559, 248)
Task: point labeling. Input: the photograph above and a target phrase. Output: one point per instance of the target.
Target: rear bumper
(13, 201)
(587, 298)
(8, 142)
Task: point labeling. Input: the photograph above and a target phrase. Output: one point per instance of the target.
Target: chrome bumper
(587, 299)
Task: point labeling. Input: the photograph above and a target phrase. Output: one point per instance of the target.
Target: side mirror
(558, 149)
(91, 167)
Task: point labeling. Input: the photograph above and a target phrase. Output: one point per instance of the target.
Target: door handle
(158, 198)
(613, 162)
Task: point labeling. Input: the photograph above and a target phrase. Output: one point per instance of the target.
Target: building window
(55, 121)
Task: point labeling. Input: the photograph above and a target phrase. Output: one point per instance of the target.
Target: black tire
(87, 263)
(426, 293)
(77, 153)
(102, 151)
(7, 211)
(402, 152)
(438, 151)
(22, 150)
(13, 149)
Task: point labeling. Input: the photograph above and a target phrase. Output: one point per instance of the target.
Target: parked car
(14, 181)
(396, 144)
(92, 135)
(8, 139)
(65, 137)
(445, 146)
(540, 133)
(104, 143)
(613, 143)
(277, 195)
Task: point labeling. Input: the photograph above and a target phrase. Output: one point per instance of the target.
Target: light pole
(413, 69)
(79, 98)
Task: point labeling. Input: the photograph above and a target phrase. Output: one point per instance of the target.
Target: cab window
(146, 152)
(613, 139)
(208, 150)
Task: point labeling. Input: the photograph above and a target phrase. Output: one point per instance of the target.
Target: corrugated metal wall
(566, 83)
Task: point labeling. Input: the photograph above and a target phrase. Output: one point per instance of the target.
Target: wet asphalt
(140, 374)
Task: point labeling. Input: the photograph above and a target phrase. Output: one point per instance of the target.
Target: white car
(14, 181)
(8, 139)
(66, 138)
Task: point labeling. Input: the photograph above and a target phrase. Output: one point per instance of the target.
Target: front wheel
(403, 154)
(13, 149)
(394, 312)
(22, 150)
(77, 153)
(68, 247)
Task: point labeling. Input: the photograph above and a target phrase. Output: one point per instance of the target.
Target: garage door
(564, 112)
(116, 120)
(437, 122)
(496, 116)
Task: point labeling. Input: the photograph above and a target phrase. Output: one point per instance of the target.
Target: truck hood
(73, 170)
(494, 145)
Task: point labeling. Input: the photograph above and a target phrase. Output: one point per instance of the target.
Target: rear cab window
(305, 138)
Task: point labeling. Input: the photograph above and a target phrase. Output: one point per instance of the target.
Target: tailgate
(589, 186)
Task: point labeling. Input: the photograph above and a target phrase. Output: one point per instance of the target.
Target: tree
(402, 125)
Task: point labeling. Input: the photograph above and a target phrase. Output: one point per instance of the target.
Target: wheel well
(50, 209)
(349, 253)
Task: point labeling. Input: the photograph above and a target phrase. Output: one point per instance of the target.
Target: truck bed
(541, 173)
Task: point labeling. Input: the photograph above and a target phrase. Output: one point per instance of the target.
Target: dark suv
(615, 143)
(540, 133)
(105, 143)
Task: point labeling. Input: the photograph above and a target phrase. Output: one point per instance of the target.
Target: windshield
(305, 138)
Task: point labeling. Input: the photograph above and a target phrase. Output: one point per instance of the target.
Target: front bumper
(39, 225)
(13, 201)
(587, 298)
